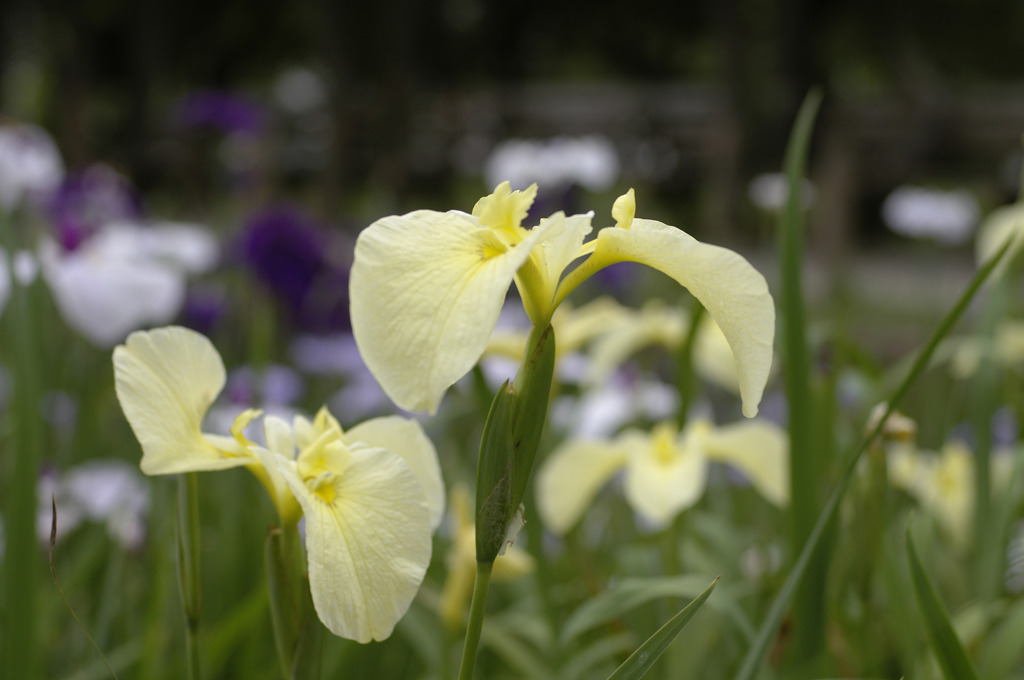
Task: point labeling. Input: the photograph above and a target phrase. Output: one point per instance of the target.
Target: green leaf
(632, 593)
(640, 661)
(945, 644)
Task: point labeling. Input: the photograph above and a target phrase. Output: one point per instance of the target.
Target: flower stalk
(188, 567)
(297, 632)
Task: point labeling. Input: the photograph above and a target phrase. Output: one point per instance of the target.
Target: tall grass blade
(640, 661)
(806, 464)
(945, 644)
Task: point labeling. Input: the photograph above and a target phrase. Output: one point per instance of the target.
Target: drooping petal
(426, 289)
(760, 449)
(664, 476)
(732, 291)
(367, 542)
(406, 438)
(571, 477)
(166, 380)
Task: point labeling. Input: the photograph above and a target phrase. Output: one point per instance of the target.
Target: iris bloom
(665, 470)
(658, 324)
(427, 287)
(126, 276)
(371, 496)
(943, 483)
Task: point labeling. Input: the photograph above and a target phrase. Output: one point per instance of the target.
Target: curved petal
(732, 291)
(407, 439)
(760, 449)
(367, 542)
(561, 245)
(664, 476)
(426, 289)
(166, 380)
(571, 477)
(713, 358)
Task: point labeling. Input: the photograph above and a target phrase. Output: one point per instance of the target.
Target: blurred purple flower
(291, 255)
(221, 111)
(87, 200)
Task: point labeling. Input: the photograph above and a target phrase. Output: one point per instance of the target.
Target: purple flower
(291, 255)
(87, 200)
(221, 111)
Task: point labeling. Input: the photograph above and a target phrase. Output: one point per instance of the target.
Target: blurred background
(362, 109)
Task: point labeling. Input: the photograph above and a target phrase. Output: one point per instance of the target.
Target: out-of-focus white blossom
(590, 162)
(769, 191)
(109, 491)
(300, 90)
(30, 164)
(948, 217)
(126, 276)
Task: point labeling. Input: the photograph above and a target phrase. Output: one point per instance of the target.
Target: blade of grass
(640, 661)
(768, 629)
(19, 648)
(945, 644)
(806, 464)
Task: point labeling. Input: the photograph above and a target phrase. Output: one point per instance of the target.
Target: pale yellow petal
(732, 291)
(712, 357)
(426, 289)
(760, 449)
(367, 543)
(406, 438)
(267, 469)
(662, 483)
(166, 379)
(561, 245)
(1002, 225)
(654, 324)
(570, 478)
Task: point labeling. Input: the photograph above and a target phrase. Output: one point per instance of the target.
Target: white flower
(126, 276)
(589, 161)
(948, 217)
(30, 164)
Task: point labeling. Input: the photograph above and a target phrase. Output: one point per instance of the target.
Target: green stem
(297, 630)
(188, 567)
(22, 563)
(477, 609)
(685, 378)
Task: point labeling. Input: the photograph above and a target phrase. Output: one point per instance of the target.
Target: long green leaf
(640, 661)
(945, 644)
(774, 617)
(806, 464)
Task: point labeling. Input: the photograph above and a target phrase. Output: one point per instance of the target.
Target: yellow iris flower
(665, 470)
(371, 496)
(426, 288)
